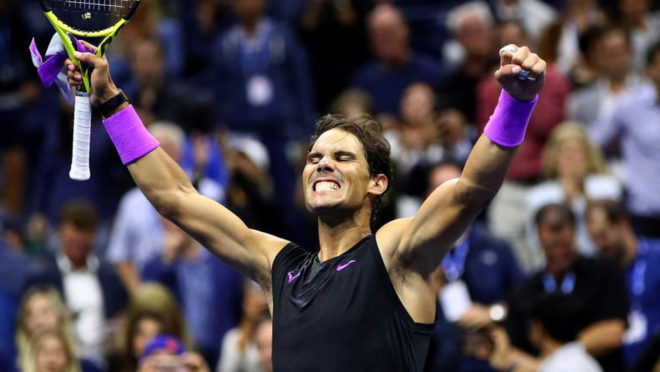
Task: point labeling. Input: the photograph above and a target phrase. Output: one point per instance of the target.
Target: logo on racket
(86, 16)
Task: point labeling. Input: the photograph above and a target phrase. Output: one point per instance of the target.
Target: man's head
(609, 51)
(555, 224)
(511, 32)
(472, 25)
(441, 173)
(608, 226)
(556, 318)
(170, 136)
(348, 167)
(147, 61)
(653, 64)
(388, 34)
(249, 11)
(77, 230)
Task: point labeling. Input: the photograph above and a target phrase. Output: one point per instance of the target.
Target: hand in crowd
(175, 241)
(500, 358)
(475, 317)
(512, 65)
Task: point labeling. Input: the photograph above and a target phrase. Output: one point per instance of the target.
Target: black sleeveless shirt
(342, 314)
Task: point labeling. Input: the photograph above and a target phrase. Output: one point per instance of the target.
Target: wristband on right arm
(130, 137)
(507, 126)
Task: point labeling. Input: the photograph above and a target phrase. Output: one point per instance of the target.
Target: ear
(378, 185)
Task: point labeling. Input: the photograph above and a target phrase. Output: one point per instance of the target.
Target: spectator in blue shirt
(263, 88)
(487, 268)
(611, 231)
(635, 123)
(396, 66)
(208, 290)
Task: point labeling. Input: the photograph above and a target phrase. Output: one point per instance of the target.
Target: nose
(325, 165)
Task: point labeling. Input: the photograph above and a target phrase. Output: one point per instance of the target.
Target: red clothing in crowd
(550, 111)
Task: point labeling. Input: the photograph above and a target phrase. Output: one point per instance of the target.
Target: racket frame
(80, 166)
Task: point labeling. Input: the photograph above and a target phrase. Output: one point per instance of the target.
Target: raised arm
(422, 241)
(166, 186)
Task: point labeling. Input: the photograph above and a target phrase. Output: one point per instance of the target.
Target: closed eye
(313, 158)
(345, 156)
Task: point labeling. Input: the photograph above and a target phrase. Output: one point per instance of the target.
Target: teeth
(326, 186)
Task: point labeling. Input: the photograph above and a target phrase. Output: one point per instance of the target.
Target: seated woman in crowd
(43, 312)
(152, 311)
(51, 352)
(240, 352)
(576, 173)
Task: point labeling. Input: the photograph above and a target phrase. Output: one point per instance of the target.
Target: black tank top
(342, 314)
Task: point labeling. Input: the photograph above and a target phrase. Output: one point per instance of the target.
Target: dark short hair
(562, 316)
(595, 34)
(81, 214)
(652, 53)
(565, 213)
(614, 210)
(376, 148)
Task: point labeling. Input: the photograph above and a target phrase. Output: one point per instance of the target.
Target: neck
(338, 236)
(617, 83)
(631, 248)
(250, 25)
(548, 347)
(400, 60)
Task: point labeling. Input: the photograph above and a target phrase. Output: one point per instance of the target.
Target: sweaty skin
(339, 190)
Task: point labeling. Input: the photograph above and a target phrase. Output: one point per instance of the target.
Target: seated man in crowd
(613, 235)
(555, 323)
(481, 270)
(91, 287)
(598, 284)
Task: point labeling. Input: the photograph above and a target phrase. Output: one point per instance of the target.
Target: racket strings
(90, 15)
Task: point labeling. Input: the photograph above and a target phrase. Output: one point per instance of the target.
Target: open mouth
(326, 185)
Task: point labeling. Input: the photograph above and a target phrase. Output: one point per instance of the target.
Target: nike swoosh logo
(342, 267)
(293, 276)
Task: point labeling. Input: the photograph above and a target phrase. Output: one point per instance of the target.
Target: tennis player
(362, 303)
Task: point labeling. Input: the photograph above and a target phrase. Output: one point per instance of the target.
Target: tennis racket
(90, 20)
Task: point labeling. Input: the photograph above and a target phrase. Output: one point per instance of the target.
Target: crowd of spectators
(560, 272)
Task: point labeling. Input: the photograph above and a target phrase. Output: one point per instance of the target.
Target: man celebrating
(362, 302)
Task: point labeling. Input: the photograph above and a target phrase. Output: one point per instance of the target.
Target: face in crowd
(556, 231)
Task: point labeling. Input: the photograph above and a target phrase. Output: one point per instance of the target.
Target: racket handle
(82, 129)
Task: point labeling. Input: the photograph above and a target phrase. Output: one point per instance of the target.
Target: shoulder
(425, 61)
(643, 94)
(598, 266)
(368, 73)
(481, 239)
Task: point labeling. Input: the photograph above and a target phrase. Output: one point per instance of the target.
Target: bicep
(434, 229)
(224, 234)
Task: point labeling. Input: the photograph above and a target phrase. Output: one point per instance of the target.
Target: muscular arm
(602, 337)
(450, 209)
(166, 186)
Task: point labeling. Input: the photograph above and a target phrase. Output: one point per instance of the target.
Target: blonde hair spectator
(51, 352)
(560, 139)
(41, 311)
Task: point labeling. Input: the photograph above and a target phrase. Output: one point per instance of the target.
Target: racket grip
(82, 129)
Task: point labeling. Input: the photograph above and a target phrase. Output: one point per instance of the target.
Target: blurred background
(232, 88)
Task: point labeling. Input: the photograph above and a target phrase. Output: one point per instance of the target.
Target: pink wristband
(132, 140)
(507, 125)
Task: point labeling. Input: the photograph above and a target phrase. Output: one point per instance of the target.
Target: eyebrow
(336, 154)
